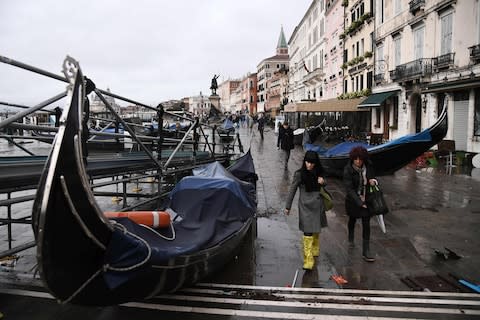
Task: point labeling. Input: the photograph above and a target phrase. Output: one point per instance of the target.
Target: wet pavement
(430, 210)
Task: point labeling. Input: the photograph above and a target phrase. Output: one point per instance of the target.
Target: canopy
(330, 105)
(376, 99)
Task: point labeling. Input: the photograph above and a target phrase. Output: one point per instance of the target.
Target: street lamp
(404, 107)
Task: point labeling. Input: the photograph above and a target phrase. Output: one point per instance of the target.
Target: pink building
(333, 58)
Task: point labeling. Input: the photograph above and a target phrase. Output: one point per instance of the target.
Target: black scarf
(310, 179)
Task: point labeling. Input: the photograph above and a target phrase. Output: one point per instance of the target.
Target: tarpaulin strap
(160, 235)
(81, 287)
(149, 254)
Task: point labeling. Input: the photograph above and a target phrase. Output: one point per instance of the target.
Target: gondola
(388, 157)
(84, 258)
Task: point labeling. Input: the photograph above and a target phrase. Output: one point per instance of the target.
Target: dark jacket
(351, 180)
(286, 138)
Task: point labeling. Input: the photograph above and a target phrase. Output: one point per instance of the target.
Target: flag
(305, 67)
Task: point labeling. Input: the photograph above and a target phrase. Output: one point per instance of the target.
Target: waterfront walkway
(430, 210)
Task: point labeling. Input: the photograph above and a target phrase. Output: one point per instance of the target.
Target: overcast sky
(146, 50)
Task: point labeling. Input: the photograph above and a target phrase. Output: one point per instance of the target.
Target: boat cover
(345, 147)
(212, 207)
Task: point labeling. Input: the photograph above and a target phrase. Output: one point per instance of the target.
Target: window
(476, 125)
(345, 86)
(369, 79)
(378, 115)
(379, 11)
(322, 27)
(418, 35)
(315, 35)
(345, 56)
(362, 46)
(397, 44)
(353, 50)
(361, 82)
(358, 48)
(446, 40)
(380, 52)
(395, 112)
(398, 6)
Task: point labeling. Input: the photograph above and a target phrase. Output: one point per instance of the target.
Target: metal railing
(475, 52)
(444, 61)
(379, 77)
(162, 172)
(413, 69)
(416, 5)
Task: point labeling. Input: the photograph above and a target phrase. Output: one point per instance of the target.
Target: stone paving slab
(430, 210)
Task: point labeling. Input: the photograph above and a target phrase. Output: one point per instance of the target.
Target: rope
(125, 231)
(77, 216)
(81, 287)
(159, 234)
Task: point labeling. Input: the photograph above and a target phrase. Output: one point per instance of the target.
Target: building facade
(358, 49)
(266, 69)
(199, 105)
(427, 55)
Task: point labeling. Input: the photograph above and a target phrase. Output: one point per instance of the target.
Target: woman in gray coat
(310, 205)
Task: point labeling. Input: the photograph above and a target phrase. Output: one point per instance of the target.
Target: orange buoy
(154, 219)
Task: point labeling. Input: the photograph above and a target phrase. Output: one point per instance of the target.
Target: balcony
(475, 53)
(314, 77)
(412, 70)
(357, 68)
(444, 61)
(379, 77)
(416, 5)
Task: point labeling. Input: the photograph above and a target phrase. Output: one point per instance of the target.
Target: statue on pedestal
(214, 84)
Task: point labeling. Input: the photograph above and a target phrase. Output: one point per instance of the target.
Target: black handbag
(375, 201)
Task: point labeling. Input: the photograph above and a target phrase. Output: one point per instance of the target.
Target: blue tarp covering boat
(388, 157)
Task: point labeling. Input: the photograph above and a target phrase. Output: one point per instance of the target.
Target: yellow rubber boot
(316, 245)
(308, 260)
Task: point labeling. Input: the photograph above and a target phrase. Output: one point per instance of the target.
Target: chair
(376, 138)
(446, 149)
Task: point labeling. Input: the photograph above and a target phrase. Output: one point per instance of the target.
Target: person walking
(356, 175)
(309, 178)
(261, 125)
(285, 137)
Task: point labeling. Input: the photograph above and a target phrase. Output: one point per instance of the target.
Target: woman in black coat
(357, 174)
(285, 140)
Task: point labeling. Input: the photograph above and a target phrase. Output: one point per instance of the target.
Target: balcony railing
(315, 76)
(413, 69)
(444, 61)
(475, 53)
(379, 77)
(416, 5)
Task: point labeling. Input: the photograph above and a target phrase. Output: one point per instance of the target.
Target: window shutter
(446, 43)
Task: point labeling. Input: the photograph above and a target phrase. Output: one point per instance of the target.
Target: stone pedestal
(215, 101)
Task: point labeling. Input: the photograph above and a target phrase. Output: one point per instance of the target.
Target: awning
(376, 99)
(445, 87)
(331, 105)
